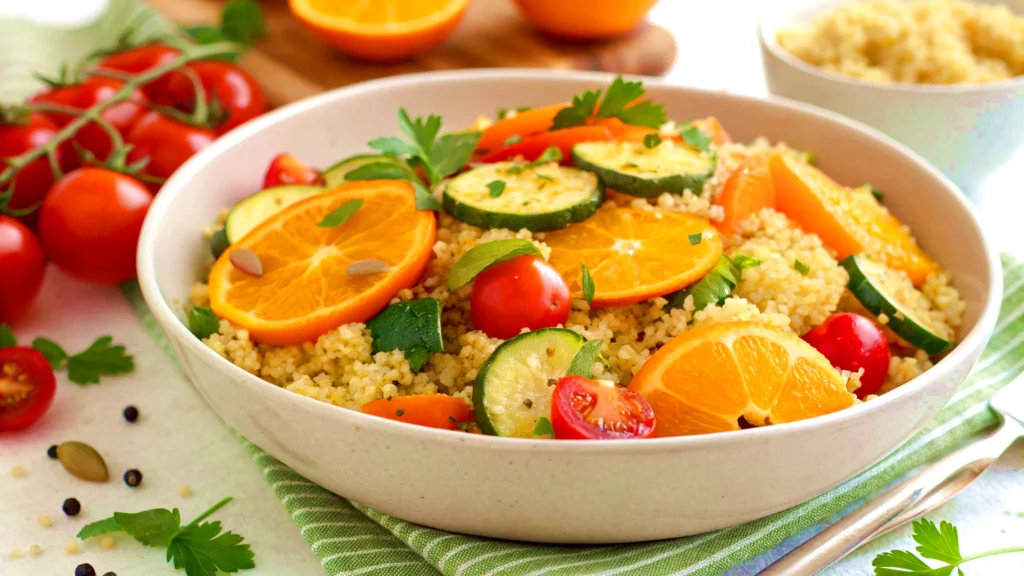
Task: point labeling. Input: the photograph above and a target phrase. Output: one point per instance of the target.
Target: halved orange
(847, 221)
(634, 255)
(307, 287)
(706, 378)
(380, 30)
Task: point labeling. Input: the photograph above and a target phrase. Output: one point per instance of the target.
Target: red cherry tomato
(33, 181)
(583, 409)
(27, 387)
(286, 169)
(21, 268)
(851, 342)
(522, 292)
(166, 142)
(86, 95)
(90, 224)
(142, 59)
(237, 94)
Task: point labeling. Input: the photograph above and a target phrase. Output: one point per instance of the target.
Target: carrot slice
(847, 221)
(712, 127)
(434, 411)
(747, 191)
(533, 146)
(626, 132)
(523, 124)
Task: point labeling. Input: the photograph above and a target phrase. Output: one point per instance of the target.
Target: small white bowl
(542, 490)
(966, 130)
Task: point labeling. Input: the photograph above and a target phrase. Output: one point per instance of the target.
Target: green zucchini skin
(876, 301)
(514, 353)
(636, 185)
(254, 210)
(334, 175)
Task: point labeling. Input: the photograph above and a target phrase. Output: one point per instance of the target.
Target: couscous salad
(583, 270)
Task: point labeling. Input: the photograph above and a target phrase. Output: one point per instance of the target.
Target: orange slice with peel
(307, 286)
(706, 378)
(380, 30)
(633, 254)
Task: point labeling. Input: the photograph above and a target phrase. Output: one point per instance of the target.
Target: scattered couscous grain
(35, 550)
(107, 542)
(16, 553)
(71, 547)
(185, 491)
(18, 471)
(45, 521)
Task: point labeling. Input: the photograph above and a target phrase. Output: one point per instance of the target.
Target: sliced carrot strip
(434, 411)
(533, 146)
(523, 124)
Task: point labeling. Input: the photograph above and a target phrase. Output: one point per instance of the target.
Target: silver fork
(913, 498)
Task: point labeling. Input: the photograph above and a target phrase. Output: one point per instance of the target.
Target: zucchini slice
(334, 176)
(539, 198)
(513, 390)
(866, 285)
(255, 209)
(632, 168)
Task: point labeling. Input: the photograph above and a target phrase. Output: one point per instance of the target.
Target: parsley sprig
(941, 543)
(101, 358)
(618, 103)
(198, 547)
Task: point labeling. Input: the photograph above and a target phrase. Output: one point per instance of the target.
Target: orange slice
(306, 288)
(847, 221)
(634, 255)
(706, 378)
(380, 30)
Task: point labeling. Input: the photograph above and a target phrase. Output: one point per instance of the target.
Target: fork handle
(909, 500)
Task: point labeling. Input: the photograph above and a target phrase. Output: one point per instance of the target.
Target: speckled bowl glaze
(549, 491)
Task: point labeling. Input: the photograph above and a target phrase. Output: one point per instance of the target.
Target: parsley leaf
(450, 154)
(242, 21)
(619, 95)
(588, 284)
(940, 543)
(878, 194)
(696, 138)
(412, 327)
(202, 550)
(380, 171)
(202, 322)
(393, 146)
(616, 104)
(421, 132)
(694, 238)
(101, 358)
(543, 428)
(424, 199)
(341, 214)
(55, 355)
(481, 257)
(153, 527)
(7, 338)
(496, 188)
(105, 526)
(800, 267)
(515, 139)
(551, 154)
(577, 113)
(652, 140)
(583, 363)
(646, 114)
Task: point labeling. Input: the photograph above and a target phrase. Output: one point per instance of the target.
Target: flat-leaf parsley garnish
(694, 238)
(588, 284)
(543, 428)
(652, 140)
(801, 267)
(486, 255)
(696, 138)
(341, 214)
(202, 322)
(619, 102)
(413, 327)
(940, 543)
(101, 358)
(496, 188)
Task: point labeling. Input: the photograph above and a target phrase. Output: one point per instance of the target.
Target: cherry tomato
(851, 342)
(286, 169)
(236, 93)
(522, 292)
(90, 224)
(583, 409)
(22, 264)
(86, 95)
(33, 181)
(27, 387)
(142, 59)
(166, 142)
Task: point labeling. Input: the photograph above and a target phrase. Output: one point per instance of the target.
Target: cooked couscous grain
(35, 550)
(18, 471)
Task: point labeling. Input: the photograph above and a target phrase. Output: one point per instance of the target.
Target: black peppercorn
(52, 452)
(133, 478)
(131, 413)
(85, 570)
(72, 507)
(109, 574)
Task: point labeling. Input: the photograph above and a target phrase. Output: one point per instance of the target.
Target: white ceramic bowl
(967, 131)
(582, 492)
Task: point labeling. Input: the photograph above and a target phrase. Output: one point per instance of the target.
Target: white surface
(202, 454)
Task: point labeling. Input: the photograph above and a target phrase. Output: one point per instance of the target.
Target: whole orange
(585, 19)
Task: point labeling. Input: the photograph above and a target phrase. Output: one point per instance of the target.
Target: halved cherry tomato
(523, 124)
(166, 142)
(434, 411)
(141, 59)
(236, 93)
(286, 169)
(34, 180)
(90, 224)
(27, 387)
(521, 292)
(21, 268)
(584, 409)
(851, 342)
(533, 146)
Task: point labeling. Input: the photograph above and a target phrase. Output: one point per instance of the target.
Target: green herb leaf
(421, 132)
(902, 562)
(202, 322)
(543, 428)
(412, 327)
(801, 267)
(513, 170)
(544, 177)
(551, 154)
(393, 146)
(342, 213)
(439, 157)
(652, 140)
(940, 542)
(54, 354)
(619, 95)
(485, 255)
(105, 526)
(211, 35)
(694, 238)
(502, 112)
(583, 363)
(523, 109)
(516, 139)
(399, 412)
(716, 285)
(380, 171)
(7, 338)
(451, 153)
(202, 550)
(101, 358)
(646, 114)
(496, 188)
(577, 113)
(588, 284)
(742, 262)
(153, 527)
(242, 21)
(878, 194)
(424, 199)
(696, 138)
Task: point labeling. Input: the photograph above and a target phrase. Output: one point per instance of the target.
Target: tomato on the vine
(286, 169)
(90, 224)
(522, 292)
(167, 143)
(584, 409)
(236, 93)
(21, 268)
(34, 180)
(27, 386)
(142, 59)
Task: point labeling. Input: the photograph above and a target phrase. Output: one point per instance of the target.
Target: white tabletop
(179, 440)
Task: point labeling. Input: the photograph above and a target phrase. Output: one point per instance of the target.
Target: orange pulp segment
(848, 221)
(706, 378)
(747, 191)
(634, 255)
(305, 289)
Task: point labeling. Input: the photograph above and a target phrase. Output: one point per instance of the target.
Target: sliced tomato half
(584, 409)
(27, 387)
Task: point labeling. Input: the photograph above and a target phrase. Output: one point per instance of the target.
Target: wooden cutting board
(291, 64)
